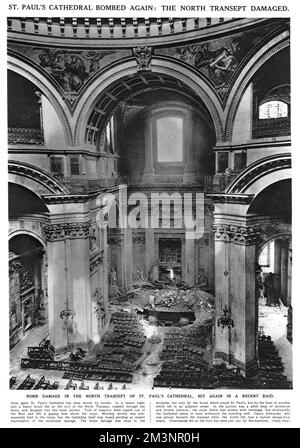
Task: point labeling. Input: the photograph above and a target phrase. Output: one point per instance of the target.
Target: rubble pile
(168, 296)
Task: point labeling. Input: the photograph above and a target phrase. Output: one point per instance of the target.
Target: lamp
(66, 315)
(225, 320)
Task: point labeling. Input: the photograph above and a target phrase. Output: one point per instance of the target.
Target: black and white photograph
(149, 171)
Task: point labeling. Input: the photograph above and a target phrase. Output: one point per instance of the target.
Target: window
(240, 161)
(74, 166)
(273, 109)
(222, 161)
(169, 139)
(109, 137)
(56, 166)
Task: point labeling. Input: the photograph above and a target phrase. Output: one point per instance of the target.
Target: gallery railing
(271, 127)
(25, 136)
(95, 28)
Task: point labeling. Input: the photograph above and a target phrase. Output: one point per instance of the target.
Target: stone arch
(261, 174)
(29, 233)
(266, 52)
(48, 89)
(159, 65)
(267, 237)
(33, 178)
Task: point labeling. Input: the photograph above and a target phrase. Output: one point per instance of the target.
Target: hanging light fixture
(225, 320)
(67, 314)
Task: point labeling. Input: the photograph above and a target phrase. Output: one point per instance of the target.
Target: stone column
(127, 261)
(289, 275)
(69, 283)
(189, 255)
(284, 268)
(148, 174)
(235, 253)
(150, 253)
(277, 268)
(189, 170)
(221, 349)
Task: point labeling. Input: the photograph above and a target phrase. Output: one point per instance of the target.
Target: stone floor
(271, 319)
(274, 321)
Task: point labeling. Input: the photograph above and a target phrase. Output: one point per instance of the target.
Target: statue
(113, 277)
(201, 278)
(139, 277)
(178, 279)
(269, 288)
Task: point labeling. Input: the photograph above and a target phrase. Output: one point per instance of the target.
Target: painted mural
(70, 68)
(219, 59)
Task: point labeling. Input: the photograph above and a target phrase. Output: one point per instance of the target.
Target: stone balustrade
(105, 28)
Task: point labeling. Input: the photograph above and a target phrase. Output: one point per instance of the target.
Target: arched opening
(22, 201)
(274, 275)
(24, 111)
(273, 286)
(27, 286)
(271, 97)
(27, 263)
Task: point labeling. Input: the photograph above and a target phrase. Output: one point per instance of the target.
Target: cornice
(221, 198)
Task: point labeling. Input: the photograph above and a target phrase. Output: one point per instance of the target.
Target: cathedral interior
(117, 129)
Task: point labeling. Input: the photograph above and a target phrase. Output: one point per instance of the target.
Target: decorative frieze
(59, 232)
(236, 234)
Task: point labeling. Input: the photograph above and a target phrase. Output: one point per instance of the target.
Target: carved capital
(59, 232)
(236, 234)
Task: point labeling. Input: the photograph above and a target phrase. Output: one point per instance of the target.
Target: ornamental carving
(96, 261)
(138, 240)
(236, 234)
(115, 241)
(14, 266)
(209, 209)
(99, 308)
(93, 239)
(26, 279)
(59, 232)
(143, 57)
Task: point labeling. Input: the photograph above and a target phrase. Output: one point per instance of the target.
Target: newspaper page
(151, 268)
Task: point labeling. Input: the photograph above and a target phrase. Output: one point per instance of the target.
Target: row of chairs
(31, 383)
